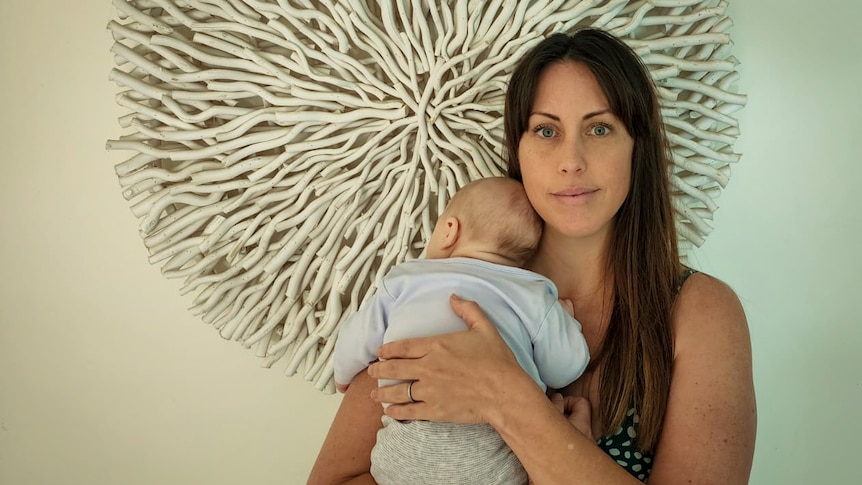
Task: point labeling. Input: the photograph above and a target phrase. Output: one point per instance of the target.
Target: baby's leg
(424, 452)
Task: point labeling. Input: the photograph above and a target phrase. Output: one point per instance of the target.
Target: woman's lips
(575, 195)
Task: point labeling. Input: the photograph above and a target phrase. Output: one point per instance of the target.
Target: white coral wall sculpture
(287, 153)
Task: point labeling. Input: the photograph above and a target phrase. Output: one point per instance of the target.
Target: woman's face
(576, 155)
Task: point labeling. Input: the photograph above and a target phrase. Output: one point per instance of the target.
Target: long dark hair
(636, 355)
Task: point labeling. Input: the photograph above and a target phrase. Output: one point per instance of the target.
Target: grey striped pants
(432, 453)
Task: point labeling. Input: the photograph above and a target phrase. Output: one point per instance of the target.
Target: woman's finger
(403, 412)
(411, 348)
(469, 311)
(396, 393)
(396, 369)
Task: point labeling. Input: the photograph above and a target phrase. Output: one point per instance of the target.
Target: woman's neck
(577, 266)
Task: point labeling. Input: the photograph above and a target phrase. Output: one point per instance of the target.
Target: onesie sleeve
(360, 336)
(559, 348)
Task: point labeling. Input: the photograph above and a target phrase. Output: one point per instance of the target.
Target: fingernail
(372, 371)
(374, 394)
(456, 297)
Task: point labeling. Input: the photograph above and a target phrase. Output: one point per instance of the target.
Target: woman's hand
(458, 377)
(577, 411)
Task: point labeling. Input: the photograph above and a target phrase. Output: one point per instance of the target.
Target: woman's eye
(545, 131)
(600, 130)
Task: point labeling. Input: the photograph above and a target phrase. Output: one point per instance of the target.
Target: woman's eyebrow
(596, 113)
(557, 118)
(546, 115)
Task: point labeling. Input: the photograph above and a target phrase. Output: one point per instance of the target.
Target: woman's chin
(578, 232)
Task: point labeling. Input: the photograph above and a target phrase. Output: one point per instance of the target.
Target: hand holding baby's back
(454, 372)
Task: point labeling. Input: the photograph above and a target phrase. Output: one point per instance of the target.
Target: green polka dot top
(622, 447)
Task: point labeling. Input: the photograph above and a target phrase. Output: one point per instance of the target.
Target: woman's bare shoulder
(704, 306)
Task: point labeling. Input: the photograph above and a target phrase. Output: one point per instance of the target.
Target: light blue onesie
(413, 301)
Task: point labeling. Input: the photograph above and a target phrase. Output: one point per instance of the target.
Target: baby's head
(489, 219)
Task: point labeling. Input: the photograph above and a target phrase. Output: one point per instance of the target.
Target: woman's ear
(453, 232)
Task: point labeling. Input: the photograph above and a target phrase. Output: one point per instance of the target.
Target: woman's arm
(711, 420)
(710, 424)
(345, 456)
(709, 427)
(473, 377)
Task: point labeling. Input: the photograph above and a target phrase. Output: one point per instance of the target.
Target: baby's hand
(568, 306)
(577, 410)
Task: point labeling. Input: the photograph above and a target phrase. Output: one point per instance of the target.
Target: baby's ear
(568, 306)
(453, 232)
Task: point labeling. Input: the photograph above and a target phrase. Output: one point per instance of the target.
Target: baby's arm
(559, 348)
(359, 337)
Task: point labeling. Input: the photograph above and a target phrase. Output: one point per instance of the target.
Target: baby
(487, 233)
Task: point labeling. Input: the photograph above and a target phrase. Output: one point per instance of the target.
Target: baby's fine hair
(496, 210)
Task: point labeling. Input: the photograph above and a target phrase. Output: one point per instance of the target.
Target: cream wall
(105, 378)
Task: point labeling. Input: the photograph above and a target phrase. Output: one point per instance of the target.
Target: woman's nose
(572, 159)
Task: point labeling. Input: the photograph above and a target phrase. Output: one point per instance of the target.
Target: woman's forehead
(566, 86)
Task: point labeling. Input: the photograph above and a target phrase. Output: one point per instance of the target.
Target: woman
(668, 396)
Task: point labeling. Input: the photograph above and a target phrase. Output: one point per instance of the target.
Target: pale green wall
(789, 233)
(105, 378)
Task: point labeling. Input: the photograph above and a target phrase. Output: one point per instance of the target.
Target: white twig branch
(286, 154)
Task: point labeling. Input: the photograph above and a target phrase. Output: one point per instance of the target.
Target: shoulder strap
(685, 274)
